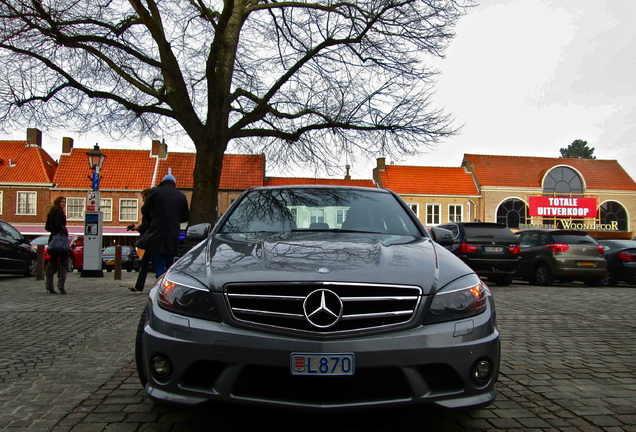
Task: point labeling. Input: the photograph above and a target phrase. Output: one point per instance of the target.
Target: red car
(75, 261)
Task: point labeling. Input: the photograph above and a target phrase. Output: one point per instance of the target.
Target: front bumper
(217, 362)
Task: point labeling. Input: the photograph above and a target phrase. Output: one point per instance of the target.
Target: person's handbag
(60, 245)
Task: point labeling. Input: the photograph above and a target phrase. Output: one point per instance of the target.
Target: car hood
(321, 257)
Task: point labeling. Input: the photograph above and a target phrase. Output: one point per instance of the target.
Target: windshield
(110, 250)
(320, 209)
(42, 240)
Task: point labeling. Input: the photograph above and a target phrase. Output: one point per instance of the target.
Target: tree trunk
(207, 176)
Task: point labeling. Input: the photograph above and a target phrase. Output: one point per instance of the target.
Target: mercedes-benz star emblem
(322, 308)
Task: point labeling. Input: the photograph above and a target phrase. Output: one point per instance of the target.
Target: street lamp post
(93, 219)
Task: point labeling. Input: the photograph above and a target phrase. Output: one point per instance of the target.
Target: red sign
(567, 207)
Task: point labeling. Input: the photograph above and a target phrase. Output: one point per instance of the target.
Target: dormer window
(563, 180)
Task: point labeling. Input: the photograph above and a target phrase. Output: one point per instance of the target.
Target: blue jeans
(162, 263)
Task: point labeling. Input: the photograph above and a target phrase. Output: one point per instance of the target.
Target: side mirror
(442, 236)
(199, 232)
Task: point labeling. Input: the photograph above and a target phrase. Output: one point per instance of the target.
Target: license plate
(493, 249)
(322, 364)
(586, 264)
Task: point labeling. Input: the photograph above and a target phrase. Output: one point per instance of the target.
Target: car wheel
(70, 264)
(594, 282)
(543, 275)
(33, 268)
(609, 280)
(504, 280)
(139, 348)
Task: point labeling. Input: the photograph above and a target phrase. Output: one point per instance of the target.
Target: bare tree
(303, 82)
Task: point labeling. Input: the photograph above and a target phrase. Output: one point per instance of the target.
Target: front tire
(543, 275)
(503, 280)
(139, 348)
(32, 268)
(609, 280)
(70, 264)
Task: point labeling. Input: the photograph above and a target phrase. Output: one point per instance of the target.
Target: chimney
(34, 137)
(163, 150)
(347, 176)
(67, 145)
(381, 166)
(159, 149)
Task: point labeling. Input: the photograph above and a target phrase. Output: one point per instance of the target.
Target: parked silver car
(319, 297)
(549, 255)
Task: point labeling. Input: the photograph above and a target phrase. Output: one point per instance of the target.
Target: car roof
(306, 186)
(553, 231)
(478, 224)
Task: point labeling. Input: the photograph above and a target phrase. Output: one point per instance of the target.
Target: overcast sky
(524, 78)
(528, 77)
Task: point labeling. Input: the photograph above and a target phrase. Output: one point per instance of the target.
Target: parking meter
(93, 222)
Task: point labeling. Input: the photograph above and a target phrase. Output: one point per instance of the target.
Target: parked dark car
(564, 255)
(129, 258)
(621, 261)
(319, 297)
(17, 256)
(490, 249)
(75, 260)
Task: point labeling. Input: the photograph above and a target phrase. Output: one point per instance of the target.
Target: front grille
(369, 385)
(362, 307)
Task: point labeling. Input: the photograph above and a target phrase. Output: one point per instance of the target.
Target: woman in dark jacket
(56, 224)
(146, 258)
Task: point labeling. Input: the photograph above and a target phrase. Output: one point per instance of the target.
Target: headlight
(458, 303)
(187, 300)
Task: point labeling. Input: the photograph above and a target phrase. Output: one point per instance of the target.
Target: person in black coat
(58, 263)
(144, 265)
(168, 210)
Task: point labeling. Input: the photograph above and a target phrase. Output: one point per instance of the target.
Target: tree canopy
(578, 149)
(303, 82)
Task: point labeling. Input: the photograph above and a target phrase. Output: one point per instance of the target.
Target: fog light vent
(481, 371)
(161, 367)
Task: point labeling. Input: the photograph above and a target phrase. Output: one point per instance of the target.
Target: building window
(128, 210)
(316, 216)
(511, 213)
(563, 180)
(341, 215)
(415, 207)
(75, 208)
(455, 212)
(611, 211)
(433, 214)
(27, 203)
(106, 206)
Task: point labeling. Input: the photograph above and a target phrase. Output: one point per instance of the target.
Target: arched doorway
(512, 212)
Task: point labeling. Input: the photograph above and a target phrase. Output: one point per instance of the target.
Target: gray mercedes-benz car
(319, 297)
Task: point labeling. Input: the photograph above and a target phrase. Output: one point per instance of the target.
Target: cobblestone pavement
(66, 364)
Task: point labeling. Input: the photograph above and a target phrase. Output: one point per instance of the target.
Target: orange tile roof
(520, 171)
(422, 180)
(240, 171)
(29, 163)
(135, 170)
(286, 181)
(123, 169)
